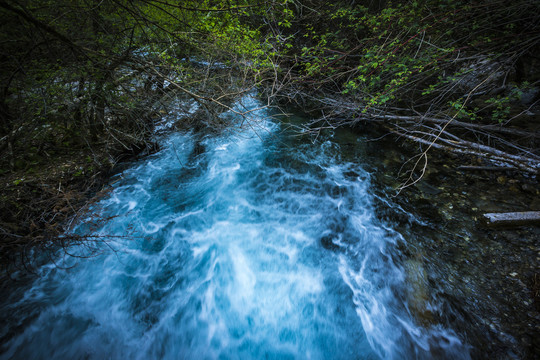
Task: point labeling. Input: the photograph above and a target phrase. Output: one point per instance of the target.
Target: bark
(493, 128)
(519, 162)
(512, 218)
(486, 168)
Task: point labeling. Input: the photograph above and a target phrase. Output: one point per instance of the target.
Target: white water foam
(253, 248)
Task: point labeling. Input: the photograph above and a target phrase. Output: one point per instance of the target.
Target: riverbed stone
(418, 291)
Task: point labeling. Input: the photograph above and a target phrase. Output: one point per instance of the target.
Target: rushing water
(249, 244)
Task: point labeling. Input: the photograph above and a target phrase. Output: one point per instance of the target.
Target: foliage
(93, 75)
(419, 56)
(85, 71)
(81, 82)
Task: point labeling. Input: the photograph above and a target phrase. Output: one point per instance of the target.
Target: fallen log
(486, 168)
(468, 148)
(512, 218)
(453, 122)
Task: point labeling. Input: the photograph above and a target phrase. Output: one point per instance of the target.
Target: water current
(250, 244)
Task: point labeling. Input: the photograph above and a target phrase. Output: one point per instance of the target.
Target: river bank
(40, 201)
(490, 275)
(486, 278)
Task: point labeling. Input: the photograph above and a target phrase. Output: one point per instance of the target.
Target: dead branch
(516, 162)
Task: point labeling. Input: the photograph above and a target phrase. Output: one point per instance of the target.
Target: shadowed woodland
(84, 82)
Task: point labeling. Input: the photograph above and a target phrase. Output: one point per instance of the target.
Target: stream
(253, 243)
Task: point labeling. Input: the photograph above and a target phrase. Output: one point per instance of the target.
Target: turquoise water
(248, 244)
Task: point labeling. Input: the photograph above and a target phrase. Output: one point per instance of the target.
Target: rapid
(254, 243)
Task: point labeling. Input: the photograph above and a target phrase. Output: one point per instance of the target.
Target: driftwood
(486, 168)
(454, 122)
(512, 218)
(467, 148)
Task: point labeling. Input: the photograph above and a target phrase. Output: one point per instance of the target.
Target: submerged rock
(418, 291)
(327, 242)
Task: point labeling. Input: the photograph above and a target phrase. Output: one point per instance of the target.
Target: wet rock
(427, 210)
(327, 242)
(529, 96)
(418, 291)
(535, 204)
(351, 175)
(528, 188)
(427, 189)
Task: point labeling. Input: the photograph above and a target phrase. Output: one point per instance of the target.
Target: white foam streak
(232, 253)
